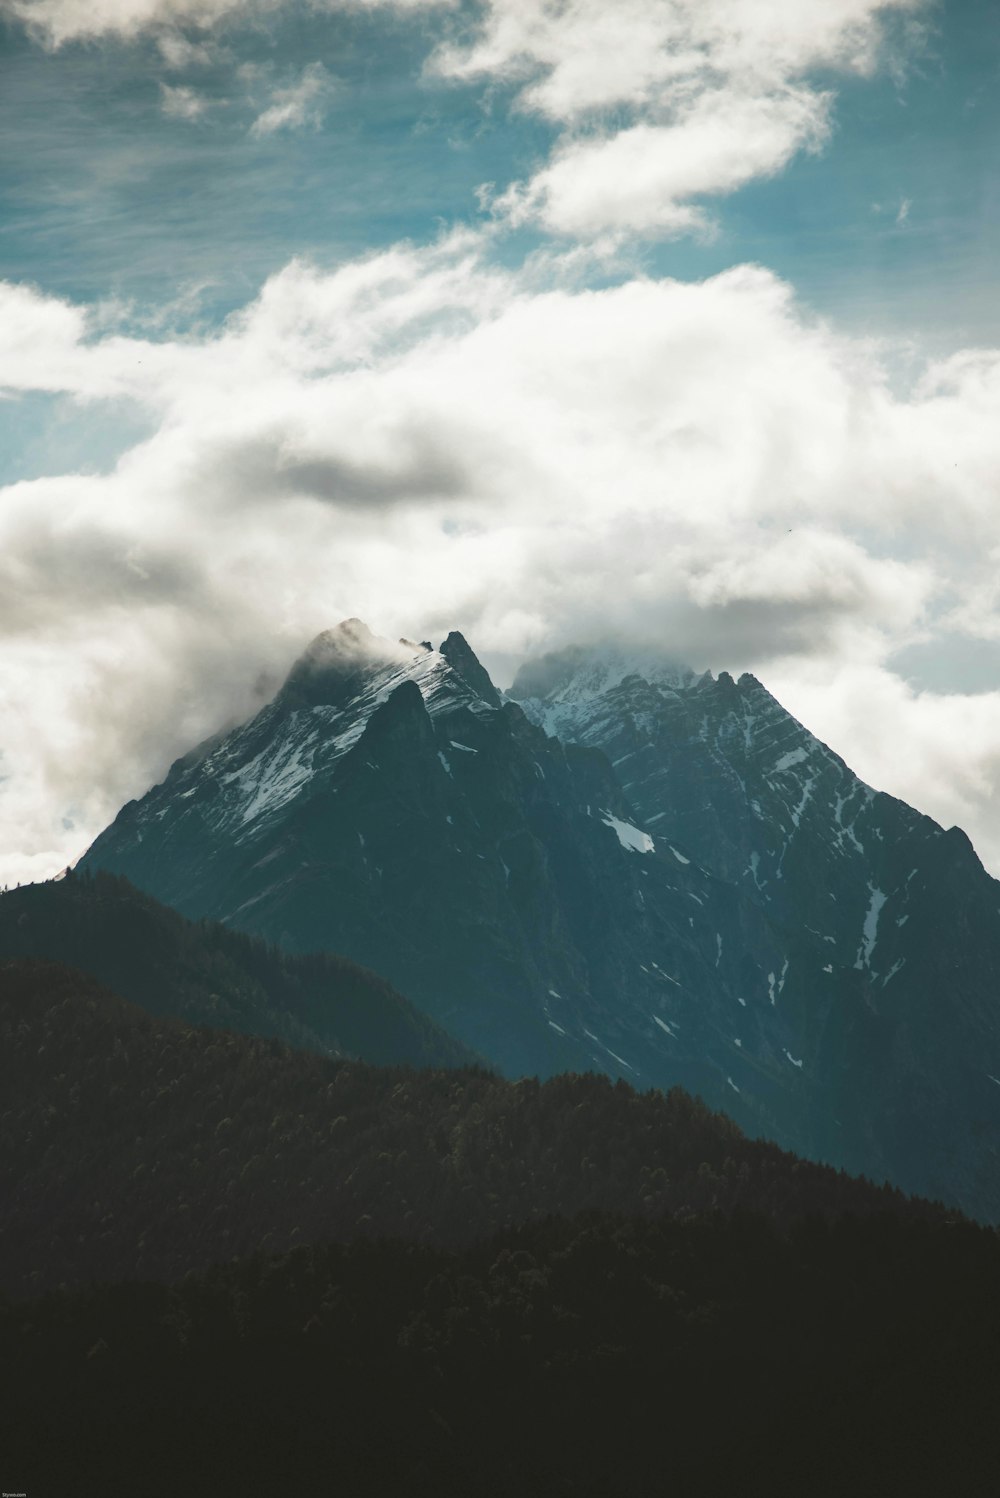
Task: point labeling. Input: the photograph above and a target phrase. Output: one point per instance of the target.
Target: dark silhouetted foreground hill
(208, 975)
(137, 1147)
(595, 1358)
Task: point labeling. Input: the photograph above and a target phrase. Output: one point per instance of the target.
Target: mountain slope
(208, 975)
(684, 887)
(879, 896)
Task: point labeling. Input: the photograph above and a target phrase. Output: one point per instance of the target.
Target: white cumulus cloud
(664, 102)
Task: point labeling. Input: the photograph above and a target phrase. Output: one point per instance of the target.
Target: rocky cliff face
(895, 984)
(628, 868)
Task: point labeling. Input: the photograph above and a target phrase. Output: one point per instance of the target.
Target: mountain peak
(332, 663)
(462, 658)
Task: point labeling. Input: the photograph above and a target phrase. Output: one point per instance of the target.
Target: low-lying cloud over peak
(426, 440)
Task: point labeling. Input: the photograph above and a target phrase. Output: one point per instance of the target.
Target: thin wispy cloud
(298, 105)
(182, 102)
(180, 52)
(61, 21)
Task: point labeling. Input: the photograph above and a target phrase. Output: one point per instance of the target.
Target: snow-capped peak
(319, 715)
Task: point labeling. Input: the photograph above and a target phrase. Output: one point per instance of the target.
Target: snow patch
(273, 777)
(807, 791)
(621, 1061)
(679, 856)
(869, 934)
(793, 757)
(793, 1060)
(632, 838)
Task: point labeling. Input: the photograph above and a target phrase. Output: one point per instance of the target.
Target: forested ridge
(133, 1146)
(597, 1357)
(209, 975)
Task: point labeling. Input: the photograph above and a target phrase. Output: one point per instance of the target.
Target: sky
(673, 321)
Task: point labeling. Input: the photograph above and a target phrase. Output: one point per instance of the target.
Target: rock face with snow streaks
(629, 868)
(892, 970)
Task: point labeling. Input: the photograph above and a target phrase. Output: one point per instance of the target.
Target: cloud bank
(429, 441)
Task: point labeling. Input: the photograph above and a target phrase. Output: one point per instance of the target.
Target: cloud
(903, 211)
(297, 105)
(571, 61)
(642, 179)
(180, 52)
(182, 102)
(663, 102)
(429, 440)
(59, 21)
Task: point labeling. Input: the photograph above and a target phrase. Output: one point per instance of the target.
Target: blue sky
(711, 361)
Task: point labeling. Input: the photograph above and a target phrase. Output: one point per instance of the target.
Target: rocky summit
(620, 865)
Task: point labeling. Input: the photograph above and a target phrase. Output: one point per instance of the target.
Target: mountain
(141, 1147)
(209, 975)
(629, 867)
(390, 805)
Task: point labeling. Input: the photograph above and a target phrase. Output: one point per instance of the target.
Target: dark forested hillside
(595, 1358)
(541, 1290)
(209, 975)
(140, 1147)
